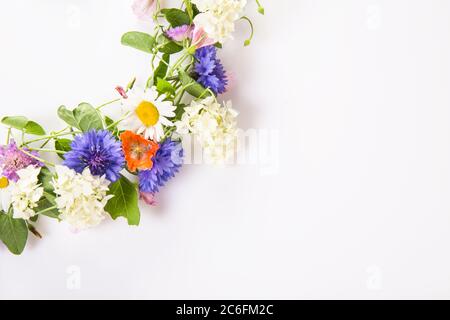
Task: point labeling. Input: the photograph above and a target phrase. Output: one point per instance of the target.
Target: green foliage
(45, 179)
(194, 88)
(170, 47)
(179, 112)
(167, 46)
(139, 40)
(165, 87)
(23, 124)
(13, 233)
(84, 117)
(48, 200)
(46, 206)
(161, 70)
(125, 201)
(189, 10)
(111, 126)
(63, 145)
(176, 17)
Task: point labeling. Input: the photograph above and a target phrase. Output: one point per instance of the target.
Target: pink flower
(144, 9)
(122, 92)
(200, 39)
(148, 198)
(180, 33)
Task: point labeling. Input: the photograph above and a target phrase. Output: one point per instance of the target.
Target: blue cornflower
(209, 70)
(166, 163)
(97, 150)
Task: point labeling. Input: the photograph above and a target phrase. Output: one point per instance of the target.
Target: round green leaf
(139, 40)
(23, 124)
(13, 233)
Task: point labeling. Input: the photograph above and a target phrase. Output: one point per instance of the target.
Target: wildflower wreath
(108, 165)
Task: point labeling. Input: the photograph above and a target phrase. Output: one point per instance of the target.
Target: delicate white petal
(166, 122)
(159, 132)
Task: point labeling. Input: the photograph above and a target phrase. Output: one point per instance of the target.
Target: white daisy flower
(5, 194)
(147, 113)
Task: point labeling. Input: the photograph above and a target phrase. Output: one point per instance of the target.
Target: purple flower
(180, 33)
(166, 163)
(209, 70)
(12, 159)
(99, 151)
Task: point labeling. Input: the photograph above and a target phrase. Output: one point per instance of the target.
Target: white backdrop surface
(351, 203)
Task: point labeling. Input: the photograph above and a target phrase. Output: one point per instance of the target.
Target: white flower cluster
(81, 198)
(214, 126)
(25, 193)
(218, 17)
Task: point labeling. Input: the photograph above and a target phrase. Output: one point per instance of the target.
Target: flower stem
(108, 103)
(178, 63)
(52, 136)
(47, 150)
(8, 135)
(249, 40)
(38, 158)
(47, 210)
(112, 125)
(260, 7)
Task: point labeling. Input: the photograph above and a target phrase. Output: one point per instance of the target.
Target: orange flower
(138, 151)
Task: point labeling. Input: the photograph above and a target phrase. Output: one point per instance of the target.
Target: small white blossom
(26, 193)
(218, 17)
(214, 126)
(81, 198)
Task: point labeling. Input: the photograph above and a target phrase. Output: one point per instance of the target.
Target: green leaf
(45, 179)
(88, 117)
(170, 47)
(34, 128)
(111, 127)
(162, 68)
(192, 87)
(84, 117)
(15, 122)
(164, 86)
(13, 233)
(176, 17)
(179, 112)
(125, 201)
(139, 40)
(47, 202)
(22, 123)
(67, 116)
(63, 145)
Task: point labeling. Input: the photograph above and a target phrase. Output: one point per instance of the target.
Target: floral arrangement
(107, 165)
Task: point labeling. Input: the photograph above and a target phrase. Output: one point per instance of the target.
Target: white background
(354, 204)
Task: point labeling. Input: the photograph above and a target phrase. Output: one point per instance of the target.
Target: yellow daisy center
(147, 113)
(4, 183)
